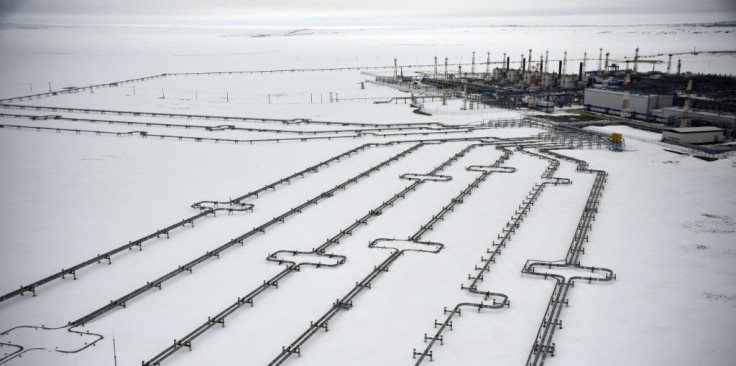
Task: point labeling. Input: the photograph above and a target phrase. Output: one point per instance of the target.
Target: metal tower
(636, 60)
(472, 66)
(488, 65)
(685, 122)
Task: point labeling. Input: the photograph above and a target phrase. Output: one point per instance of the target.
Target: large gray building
(640, 105)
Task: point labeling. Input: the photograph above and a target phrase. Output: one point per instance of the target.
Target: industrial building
(694, 135)
(640, 105)
(725, 121)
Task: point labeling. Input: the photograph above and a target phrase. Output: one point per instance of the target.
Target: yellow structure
(617, 138)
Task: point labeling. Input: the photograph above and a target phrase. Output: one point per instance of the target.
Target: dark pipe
(580, 74)
(523, 65)
(559, 69)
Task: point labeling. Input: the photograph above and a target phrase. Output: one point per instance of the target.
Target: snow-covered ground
(666, 224)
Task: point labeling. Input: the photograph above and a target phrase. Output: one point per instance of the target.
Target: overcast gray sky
(366, 12)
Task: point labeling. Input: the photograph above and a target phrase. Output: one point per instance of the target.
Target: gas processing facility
(695, 110)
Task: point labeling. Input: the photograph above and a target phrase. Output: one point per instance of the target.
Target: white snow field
(345, 232)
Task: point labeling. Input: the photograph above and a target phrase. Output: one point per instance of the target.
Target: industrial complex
(674, 103)
(447, 212)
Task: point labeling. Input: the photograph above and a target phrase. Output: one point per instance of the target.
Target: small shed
(694, 135)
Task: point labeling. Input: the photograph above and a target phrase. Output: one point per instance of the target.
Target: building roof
(696, 129)
(621, 92)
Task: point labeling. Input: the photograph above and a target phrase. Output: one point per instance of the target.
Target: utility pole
(114, 350)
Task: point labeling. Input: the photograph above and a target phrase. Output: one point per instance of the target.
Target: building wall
(642, 104)
(693, 138)
(728, 120)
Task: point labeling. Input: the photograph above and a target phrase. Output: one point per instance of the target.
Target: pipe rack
(294, 267)
(72, 90)
(146, 134)
(543, 345)
(346, 302)
(20, 349)
(387, 127)
(293, 121)
(506, 232)
(204, 212)
(188, 267)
